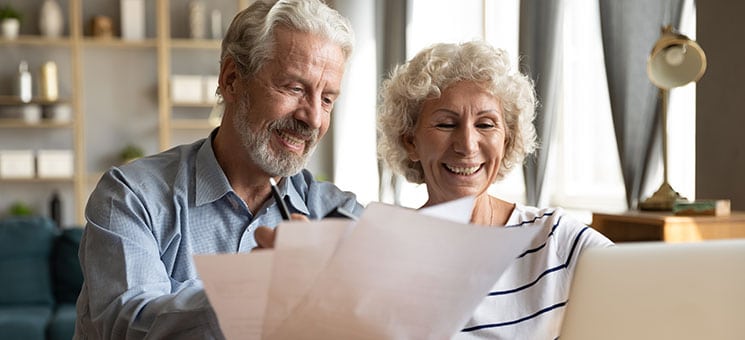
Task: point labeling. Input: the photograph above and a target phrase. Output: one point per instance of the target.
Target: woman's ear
(228, 78)
(410, 146)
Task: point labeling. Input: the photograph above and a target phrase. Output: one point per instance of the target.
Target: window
(587, 173)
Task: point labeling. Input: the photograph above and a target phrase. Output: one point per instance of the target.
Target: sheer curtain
(392, 17)
(541, 49)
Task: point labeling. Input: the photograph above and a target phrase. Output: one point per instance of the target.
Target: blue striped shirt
(146, 219)
(529, 299)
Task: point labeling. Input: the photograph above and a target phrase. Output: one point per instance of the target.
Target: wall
(720, 103)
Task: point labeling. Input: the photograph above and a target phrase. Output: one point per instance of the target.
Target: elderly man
(280, 73)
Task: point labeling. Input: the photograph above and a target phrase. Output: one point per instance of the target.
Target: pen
(280, 202)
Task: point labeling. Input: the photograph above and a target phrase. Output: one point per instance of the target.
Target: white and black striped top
(529, 299)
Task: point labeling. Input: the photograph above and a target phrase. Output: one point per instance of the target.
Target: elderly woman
(458, 118)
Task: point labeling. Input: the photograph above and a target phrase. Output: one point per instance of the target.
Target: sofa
(40, 278)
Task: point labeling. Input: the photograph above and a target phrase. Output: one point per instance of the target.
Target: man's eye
(328, 101)
(296, 89)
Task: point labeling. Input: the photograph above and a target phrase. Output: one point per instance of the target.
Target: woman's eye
(485, 125)
(445, 125)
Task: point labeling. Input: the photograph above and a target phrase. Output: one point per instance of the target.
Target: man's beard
(256, 143)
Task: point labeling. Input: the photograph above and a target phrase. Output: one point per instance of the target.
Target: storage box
(16, 164)
(54, 163)
(209, 84)
(186, 89)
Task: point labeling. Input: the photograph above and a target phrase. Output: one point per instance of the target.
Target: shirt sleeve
(127, 292)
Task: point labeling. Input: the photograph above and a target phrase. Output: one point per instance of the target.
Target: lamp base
(662, 200)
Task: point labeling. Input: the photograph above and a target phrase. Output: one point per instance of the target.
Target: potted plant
(130, 153)
(10, 22)
(19, 208)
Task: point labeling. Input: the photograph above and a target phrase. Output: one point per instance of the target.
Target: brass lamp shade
(675, 60)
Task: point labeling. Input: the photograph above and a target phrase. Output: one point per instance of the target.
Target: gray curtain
(629, 30)
(391, 21)
(540, 29)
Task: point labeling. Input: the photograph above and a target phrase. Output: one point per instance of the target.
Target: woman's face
(459, 139)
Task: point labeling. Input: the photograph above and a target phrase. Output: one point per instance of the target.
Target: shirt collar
(211, 182)
(287, 189)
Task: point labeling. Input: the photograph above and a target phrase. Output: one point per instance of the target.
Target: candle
(48, 82)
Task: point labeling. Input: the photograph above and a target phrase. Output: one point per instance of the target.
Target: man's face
(286, 106)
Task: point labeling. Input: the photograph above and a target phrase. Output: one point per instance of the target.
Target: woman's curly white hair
(429, 73)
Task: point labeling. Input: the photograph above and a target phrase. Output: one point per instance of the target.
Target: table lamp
(675, 61)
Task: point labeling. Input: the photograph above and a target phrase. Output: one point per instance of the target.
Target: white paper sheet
(394, 274)
(456, 210)
(306, 249)
(237, 287)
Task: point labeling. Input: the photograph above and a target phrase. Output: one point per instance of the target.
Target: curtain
(391, 23)
(629, 30)
(540, 29)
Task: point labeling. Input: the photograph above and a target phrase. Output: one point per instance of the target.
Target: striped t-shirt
(529, 299)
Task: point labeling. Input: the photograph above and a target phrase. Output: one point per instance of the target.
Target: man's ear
(228, 78)
(410, 145)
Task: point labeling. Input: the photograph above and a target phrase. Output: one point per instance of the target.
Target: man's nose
(311, 111)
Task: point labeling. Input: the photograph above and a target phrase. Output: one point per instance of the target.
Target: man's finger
(299, 217)
(265, 237)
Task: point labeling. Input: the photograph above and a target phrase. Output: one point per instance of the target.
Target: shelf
(191, 124)
(119, 43)
(37, 180)
(182, 104)
(36, 40)
(208, 44)
(15, 101)
(7, 123)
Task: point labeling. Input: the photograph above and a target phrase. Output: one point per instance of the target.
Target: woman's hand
(265, 236)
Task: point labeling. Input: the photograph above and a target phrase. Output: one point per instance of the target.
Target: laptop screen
(658, 290)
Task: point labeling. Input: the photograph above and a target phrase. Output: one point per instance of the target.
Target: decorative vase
(197, 25)
(10, 27)
(51, 20)
(216, 24)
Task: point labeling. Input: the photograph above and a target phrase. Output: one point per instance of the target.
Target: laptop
(658, 290)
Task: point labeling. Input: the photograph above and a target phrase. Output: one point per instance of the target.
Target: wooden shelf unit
(82, 60)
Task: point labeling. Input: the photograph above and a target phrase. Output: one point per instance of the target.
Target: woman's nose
(465, 141)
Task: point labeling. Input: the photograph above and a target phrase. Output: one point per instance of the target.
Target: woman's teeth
(463, 171)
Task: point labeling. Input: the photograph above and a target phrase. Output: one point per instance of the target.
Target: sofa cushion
(25, 246)
(62, 325)
(27, 323)
(68, 277)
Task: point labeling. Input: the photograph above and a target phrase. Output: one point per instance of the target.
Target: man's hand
(265, 236)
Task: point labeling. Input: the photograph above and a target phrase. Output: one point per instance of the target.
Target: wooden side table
(635, 226)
